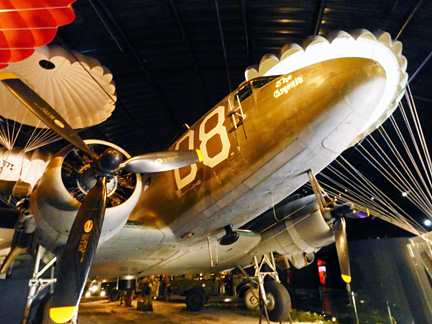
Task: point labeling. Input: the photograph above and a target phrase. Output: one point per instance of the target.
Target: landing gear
(129, 297)
(273, 298)
(251, 298)
(37, 285)
(38, 302)
(278, 301)
(195, 299)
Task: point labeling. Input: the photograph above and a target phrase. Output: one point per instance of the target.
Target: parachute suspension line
(39, 138)
(367, 191)
(406, 165)
(379, 206)
(361, 203)
(361, 196)
(416, 147)
(375, 209)
(3, 134)
(400, 184)
(402, 161)
(420, 134)
(383, 197)
(16, 130)
(380, 197)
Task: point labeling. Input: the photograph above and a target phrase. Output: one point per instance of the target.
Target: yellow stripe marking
(7, 75)
(200, 155)
(346, 278)
(62, 314)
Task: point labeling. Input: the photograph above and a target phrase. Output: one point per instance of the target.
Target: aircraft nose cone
(358, 104)
(331, 102)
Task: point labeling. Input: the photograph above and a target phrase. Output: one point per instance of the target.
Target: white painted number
(220, 130)
(217, 132)
(186, 179)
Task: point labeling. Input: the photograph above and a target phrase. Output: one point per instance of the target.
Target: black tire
(195, 299)
(251, 298)
(129, 297)
(114, 295)
(279, 305)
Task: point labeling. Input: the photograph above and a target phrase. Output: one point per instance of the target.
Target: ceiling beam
(223, 45)
(420, 67)
(243, 6)
(112, 25)
(188, 45)
(410, 16)
(319, 12)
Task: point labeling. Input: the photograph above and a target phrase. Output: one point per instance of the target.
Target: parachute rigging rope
(408, 169)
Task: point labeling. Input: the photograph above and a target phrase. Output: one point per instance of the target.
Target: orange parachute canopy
(27, 24)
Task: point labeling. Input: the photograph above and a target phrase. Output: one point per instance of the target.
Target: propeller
(84, 235)
(79, 253)
(339, 230)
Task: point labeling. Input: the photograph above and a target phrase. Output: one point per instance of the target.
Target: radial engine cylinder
(58, 195)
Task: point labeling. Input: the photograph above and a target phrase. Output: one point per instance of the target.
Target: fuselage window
(244, 93)
(260, 82)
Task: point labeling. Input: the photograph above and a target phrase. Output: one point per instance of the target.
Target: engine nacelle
(58, 194)
(298, 230)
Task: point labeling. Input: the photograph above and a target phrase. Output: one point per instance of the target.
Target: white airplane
(102, 212)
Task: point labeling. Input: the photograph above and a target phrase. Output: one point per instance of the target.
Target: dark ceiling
(172, 60)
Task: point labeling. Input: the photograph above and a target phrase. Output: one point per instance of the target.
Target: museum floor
(106, 312)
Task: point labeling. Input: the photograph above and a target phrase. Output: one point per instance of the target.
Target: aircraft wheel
(279, 301)
(42, 307)
(251, 299)
(129, 297)
(114, 295)
(195, 299)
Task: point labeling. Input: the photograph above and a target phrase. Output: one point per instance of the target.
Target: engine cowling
(58, 194)
(297, 230)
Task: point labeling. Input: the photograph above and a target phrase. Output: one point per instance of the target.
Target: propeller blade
(78, 254)
(339, 229)
(43, 111)
(161, 161)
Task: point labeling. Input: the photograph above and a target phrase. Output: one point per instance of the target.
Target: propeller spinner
(84, 235)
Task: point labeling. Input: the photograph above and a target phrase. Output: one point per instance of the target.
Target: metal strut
(258, 279)
(37, 284)
(320, 194)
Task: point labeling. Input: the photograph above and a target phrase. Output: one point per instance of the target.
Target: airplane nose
(335, 100)
(358, 104)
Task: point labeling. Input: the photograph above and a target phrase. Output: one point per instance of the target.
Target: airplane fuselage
(296, 122)
(258, 144)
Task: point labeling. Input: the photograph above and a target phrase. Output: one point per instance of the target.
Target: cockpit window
(260, 82)
(244, 92)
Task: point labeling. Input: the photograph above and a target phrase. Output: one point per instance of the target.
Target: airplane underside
(186, 212)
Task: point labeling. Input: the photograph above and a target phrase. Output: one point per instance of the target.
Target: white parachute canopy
(77, 87)
(16, 165)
